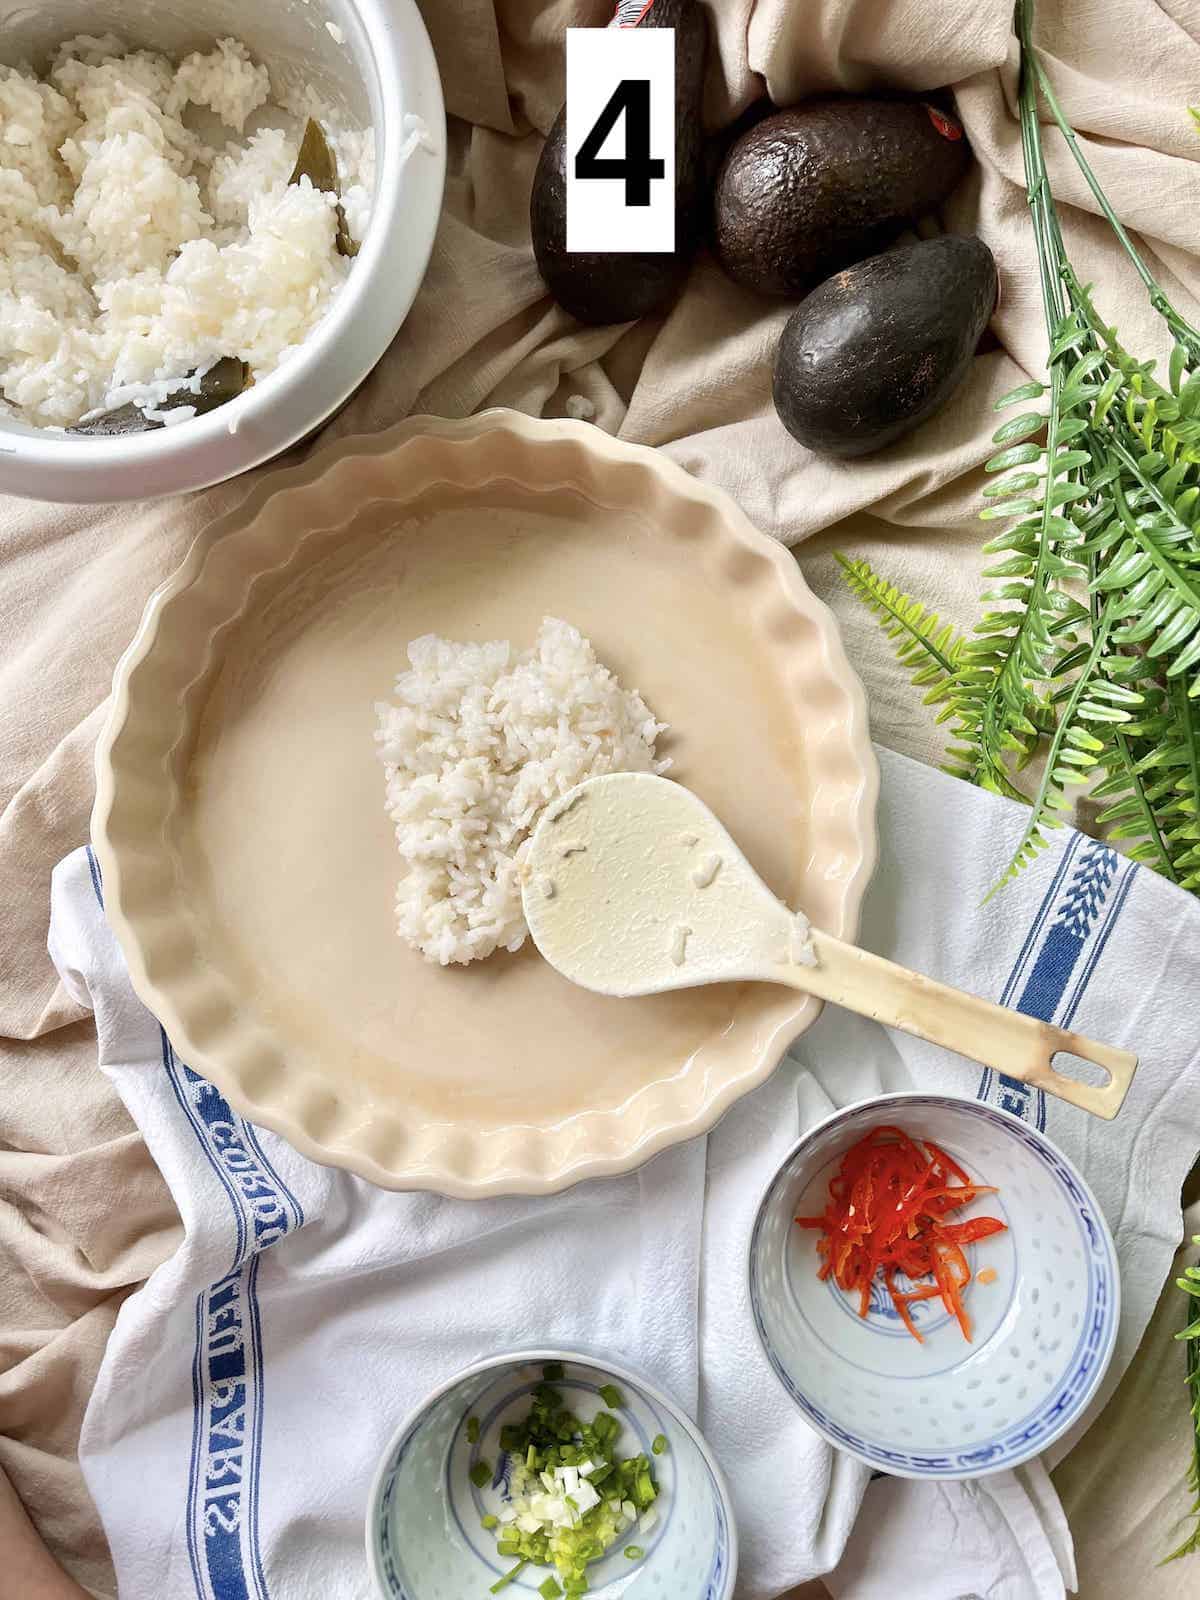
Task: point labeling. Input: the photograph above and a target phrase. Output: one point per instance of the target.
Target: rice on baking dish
(479, 743)
(134, 252)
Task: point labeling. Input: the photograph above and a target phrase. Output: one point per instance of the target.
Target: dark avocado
(599, 287)
(881, 346)
(830, 182)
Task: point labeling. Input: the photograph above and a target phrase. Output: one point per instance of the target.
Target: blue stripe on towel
(228, 1390)
(250, 1133)
(1116, 906)
(256, 1347)
(1035, 927)
(1069, 920)
(228, 1393)
(193, 1472)
(1039, 921)
(94, 869)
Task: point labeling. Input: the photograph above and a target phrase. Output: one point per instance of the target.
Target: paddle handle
(1021, 1047)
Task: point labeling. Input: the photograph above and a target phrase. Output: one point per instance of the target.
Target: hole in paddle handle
(1083, 1071)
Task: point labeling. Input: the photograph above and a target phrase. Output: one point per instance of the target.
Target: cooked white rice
(478, 745)
(132, 252)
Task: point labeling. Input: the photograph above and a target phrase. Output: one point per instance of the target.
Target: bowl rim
(898, 1098)
(119, 773)
(544, 1354)
(300, 396)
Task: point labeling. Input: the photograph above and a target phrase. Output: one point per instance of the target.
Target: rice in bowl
(136, 253)
(476, 746)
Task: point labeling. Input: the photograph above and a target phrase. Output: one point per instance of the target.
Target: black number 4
(630, 98)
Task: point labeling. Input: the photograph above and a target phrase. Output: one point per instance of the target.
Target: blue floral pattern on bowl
(424, 1535)
(1044, 1327)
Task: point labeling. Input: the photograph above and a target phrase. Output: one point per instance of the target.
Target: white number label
(621, 139)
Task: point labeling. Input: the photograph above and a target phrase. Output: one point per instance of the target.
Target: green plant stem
(1041, 203)
(1065, 720)
(1145, 809)
(1182, 330)
(1050, 260)
(1044, 537)
(1181, 704)
(1037, 183)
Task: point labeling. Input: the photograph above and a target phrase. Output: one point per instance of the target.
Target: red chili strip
(885, 1215)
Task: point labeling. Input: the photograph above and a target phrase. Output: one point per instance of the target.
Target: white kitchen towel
(248, 1389)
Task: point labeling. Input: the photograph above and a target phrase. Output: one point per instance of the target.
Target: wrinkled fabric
(83, 1213)
(420, 1287)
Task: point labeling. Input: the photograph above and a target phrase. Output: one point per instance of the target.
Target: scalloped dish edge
(292, 1108)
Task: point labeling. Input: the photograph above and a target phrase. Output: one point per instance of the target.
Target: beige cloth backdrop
(83, 1213)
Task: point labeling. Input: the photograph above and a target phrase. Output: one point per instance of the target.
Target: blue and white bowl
(424, 1539)
(1043, 1329)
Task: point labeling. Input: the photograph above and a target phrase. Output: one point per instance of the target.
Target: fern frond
(1190, 1284)
(1179, 808)
(1000, 712)
(1156, 540)
(1072, 752)
(930, 649)
(1134, 817)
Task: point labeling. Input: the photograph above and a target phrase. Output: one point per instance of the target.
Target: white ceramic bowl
(1043, 1331)
(377, 64)
(424, 1539)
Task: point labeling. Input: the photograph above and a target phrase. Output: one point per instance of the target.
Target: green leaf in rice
(315, 161)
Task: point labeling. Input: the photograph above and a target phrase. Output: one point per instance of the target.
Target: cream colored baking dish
(249, 868)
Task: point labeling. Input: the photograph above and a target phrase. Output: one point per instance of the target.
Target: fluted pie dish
(249, 869)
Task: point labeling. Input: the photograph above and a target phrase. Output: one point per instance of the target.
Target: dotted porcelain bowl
(424, 1539)
(1043, 1328)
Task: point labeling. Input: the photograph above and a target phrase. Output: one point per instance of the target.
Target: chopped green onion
(489, 1522)
(605, 1426)
(541, 1450)
(554, 1373)
(481, 1473)
(472, 1430)
(612, 1397)
(509, 1576)
(634, 1552)
(660, 1444)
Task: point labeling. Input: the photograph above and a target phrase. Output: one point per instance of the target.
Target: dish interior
(281, 837)
(1042, 1329)
(424, 1531)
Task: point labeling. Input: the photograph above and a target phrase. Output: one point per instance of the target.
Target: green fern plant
(1190, 1284)
(1087, 653)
